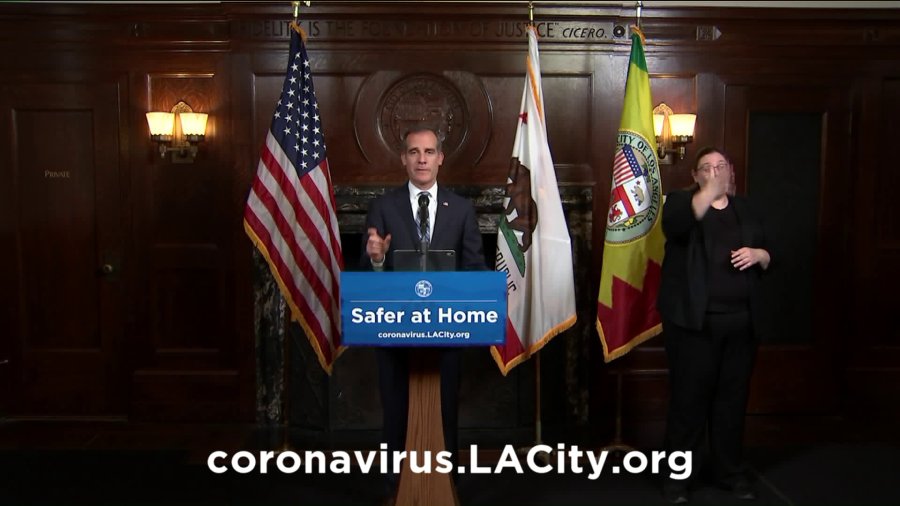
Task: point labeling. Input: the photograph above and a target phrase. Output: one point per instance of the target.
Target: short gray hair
(424, 128)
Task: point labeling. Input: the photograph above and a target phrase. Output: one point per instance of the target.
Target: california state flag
(533, 244)
(634, 245)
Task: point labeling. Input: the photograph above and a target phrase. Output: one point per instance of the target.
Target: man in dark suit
(716, 252)
(402, 219)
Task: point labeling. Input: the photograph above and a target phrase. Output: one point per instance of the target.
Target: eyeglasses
(706, 167)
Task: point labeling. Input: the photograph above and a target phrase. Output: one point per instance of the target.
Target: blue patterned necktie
(422, 222)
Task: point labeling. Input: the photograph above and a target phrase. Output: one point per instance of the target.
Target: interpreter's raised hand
(715, 179)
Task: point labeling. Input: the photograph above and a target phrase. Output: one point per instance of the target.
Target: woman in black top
(716, 251)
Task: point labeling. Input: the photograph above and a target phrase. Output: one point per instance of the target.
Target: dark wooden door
(60, 259)
(790, 142)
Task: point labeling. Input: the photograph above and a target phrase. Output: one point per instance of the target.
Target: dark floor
(129, 464)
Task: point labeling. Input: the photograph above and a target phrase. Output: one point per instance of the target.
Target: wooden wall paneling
(505, 92)
(9, 322)
(182, 395)
(868, 127)
(710, 129)
(680, 92)
(888, 230)
(337, 94)
(810, 387)
(61, 147)
(873, 373)
(184, 253)
(735, 130)
(728, 55)
(260, 395)
(568, 98)
(609, 74)
(369, 84)
(225, 150)
(186, 260)
(390, 101)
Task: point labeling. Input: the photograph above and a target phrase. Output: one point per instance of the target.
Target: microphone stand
(423, 227)
(423, 249)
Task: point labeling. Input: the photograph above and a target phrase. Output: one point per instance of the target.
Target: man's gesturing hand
(377, 246)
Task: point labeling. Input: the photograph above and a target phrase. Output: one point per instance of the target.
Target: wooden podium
(425, 432)
(424, 312)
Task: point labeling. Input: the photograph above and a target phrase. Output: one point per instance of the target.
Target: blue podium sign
(423, 308)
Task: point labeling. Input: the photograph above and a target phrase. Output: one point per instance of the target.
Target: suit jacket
(683, 292)
(455, 227)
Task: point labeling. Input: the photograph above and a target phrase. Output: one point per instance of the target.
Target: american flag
(290, 214)
(625, 166)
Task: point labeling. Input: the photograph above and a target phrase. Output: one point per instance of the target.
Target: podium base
(425, 436)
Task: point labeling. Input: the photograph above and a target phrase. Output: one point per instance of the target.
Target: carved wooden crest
(423, 99)
(452, 102)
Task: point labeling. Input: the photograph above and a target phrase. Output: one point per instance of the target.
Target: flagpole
(538, 424)
(286, 344)
(543, 457)
(262, 220)
(537, 399)
(639, 5)
(641, 248)
(617, 444)
(286, 389)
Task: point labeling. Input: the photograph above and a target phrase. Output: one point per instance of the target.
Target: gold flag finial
(296, 5)
(639, 6)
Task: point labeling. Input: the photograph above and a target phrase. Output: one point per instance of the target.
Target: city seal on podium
(424, 288)
(636, 195)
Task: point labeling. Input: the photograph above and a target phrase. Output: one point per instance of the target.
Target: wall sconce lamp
(182, 144)
(673, 131)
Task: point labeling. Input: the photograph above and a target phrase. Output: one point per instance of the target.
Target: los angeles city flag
(290, 213)
(533, 244)
(633, 249)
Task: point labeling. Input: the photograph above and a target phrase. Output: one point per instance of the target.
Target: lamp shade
(161, 123)
(193, 123)
(682, 124)
(658, 120)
